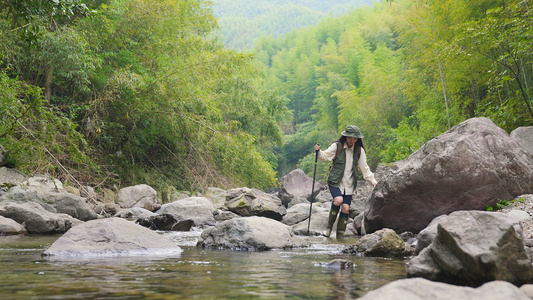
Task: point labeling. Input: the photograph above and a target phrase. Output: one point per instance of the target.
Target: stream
(193, 274)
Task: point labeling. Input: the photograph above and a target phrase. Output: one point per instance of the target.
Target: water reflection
(195, 273)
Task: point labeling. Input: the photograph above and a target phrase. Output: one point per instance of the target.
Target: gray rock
(252, 202)
(524, 137)
(296, 187)
(427, 235)
(383, 243)
(216, 196)
(319, 222)
(199, 209)
(300, 212)
(10, 177)
(175, 196)
(518, 215)
(35, 218)
(70, 204)
(141, 195)
(423, 289)
(134, 213)
(88, 192)
(221, 215)
(21, 195)
(9, 226)
(166, 222)
(251, 234)
(474, 247)
(43, 184)
(111, 237)
(324, 196)
(466, 168)
(527, 289)
(340, 264)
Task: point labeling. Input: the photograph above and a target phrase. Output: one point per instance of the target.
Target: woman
(348, 154)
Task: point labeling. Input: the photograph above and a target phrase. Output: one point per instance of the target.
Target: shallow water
(193, 274)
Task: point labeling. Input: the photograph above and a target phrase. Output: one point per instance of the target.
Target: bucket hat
(353, 131)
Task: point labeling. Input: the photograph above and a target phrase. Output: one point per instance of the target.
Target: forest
(404, 71)
(122, 92)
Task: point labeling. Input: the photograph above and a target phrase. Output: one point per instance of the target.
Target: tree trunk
(48, 83)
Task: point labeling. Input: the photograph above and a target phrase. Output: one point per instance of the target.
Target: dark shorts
(336, 192)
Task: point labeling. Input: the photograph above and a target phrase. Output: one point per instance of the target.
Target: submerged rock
(340, 264)
(111, 237)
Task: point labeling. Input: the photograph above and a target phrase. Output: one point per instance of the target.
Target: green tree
(504, 37)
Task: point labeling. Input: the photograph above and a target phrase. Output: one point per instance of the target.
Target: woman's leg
(343, 218)
(334, 210)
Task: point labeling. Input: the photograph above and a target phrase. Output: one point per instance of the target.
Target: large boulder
(70, 204)
(198, 209)
(21, 195)
(296, 187)
(474, 247)
(35, 218)
(423, 289)
(111, 237)
(524, 137)
(251, 234)
(141, 195)
(472, 165)
(248, 202)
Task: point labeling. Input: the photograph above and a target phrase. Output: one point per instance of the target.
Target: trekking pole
(312, 193)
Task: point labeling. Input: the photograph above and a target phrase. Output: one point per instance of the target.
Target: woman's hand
(317, 147)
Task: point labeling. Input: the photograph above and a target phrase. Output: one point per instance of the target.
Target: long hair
(359, 142)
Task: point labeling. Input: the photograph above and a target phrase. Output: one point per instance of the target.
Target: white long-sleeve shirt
(347, 185)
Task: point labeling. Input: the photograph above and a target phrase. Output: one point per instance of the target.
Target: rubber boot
(333, 212)
(341, 225)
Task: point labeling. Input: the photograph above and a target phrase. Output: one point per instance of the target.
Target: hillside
(242, 22)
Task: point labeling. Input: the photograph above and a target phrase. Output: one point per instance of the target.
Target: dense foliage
(134, 92)
(123, 92)
(404, 71)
